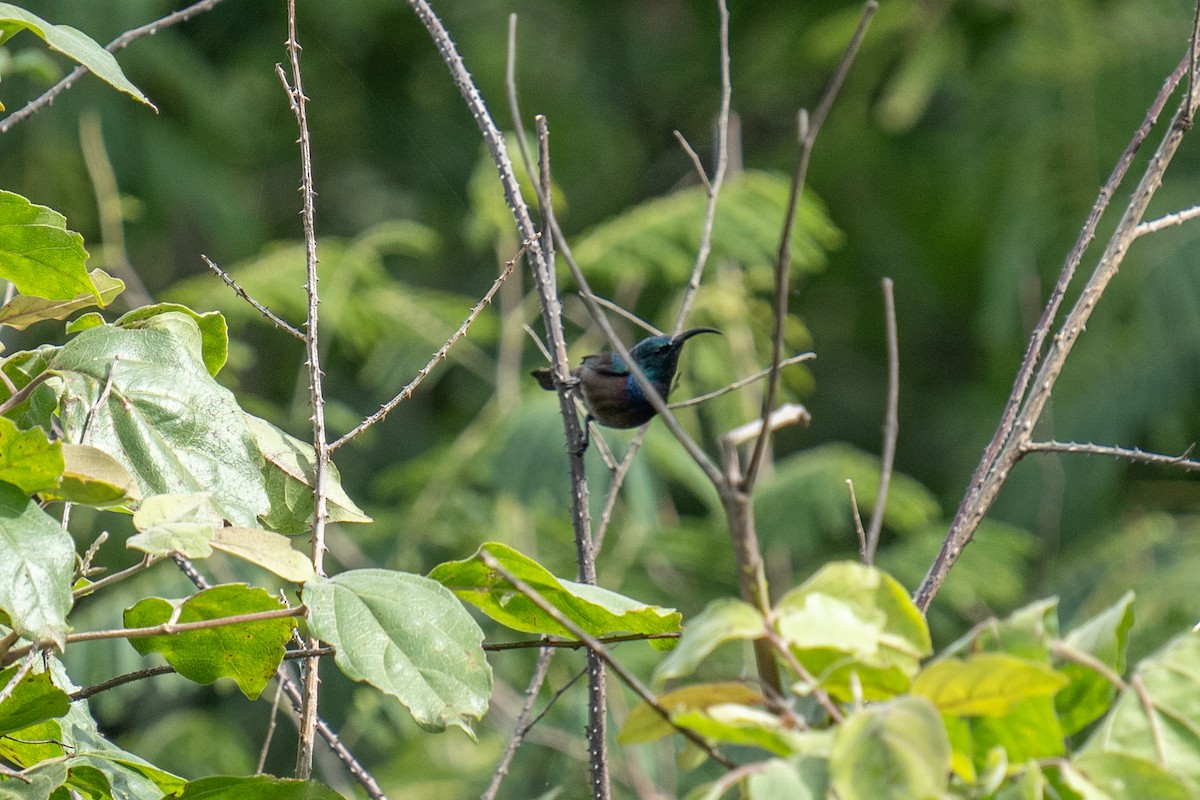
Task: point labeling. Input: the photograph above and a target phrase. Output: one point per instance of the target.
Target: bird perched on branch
(612, 395)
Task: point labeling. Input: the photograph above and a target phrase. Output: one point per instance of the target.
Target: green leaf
(37, 252)
(33, 744)
(986, 684)
(35, 699)
(271, 551)
(644, 724)
(892, 751)
(71, 43)
(1030, 730)
(247, 652)
(174, 523)
(149, 402)
(92, 477)
(1105, 638)
(23, 311)
(1125, 777)
(129, 776)
(779, 779)
(257, 787)
(1171, 680)
(724, 620)
(597, 611)
(288, 476)
(92, 319)
(432, 661)
(853, 624)
(28, 459)
(37, 560)
(35, 784)
(214, 333)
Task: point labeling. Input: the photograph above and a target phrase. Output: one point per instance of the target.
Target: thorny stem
(298, 102)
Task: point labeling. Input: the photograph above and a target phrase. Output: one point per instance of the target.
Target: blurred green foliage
(961, 159)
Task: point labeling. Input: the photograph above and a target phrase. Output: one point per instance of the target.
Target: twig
(1156, 734)
(298, 102)
(738, 384)
(116, 44)
(1024, 409)
(31, 657)
(891, 425)
(858, 525)
(627, 314)
(1178, 218)
(554, 698)
(167, 669)
(696, 162)
(821, 696)
(408, 390)
(270, 734)
(23, 393)
(808, 130)
(519, 730)
(546, 641)
(596, 647)
(1183, 461)
(1067, 653)
(85, 590)
(270, 315)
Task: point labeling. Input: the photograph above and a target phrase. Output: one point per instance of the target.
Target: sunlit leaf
(724, 620)
(72, 43)
(645, 724)
(596, 611)
(174, 523)
(1105, 638)
(93, 477)
(255, 787)
(24, 310)
(271, 551)
(37, 252)
(28, 459)
(986, 684)
(34, 700)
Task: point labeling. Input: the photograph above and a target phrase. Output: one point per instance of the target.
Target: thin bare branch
(16, 399)
(1067, 653)
(1167, 221)
(412, 386)
(819, 694)
(696, 162)
(738, 384)
(294, 87)
(807, 130)
(629, 315)
(119, 43)
(100, 583)
(273, 718)
(858, 524)
(519, 730)
(1156, 734)
(600, 650)
(270, 315)
(1183, 460)
(891, 424)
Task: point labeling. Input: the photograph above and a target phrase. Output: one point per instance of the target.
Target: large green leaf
(35, 699)
(1168, 727)
(72, 43)
(893, 751)
(288, 469)
(1105, 638)
(724, 620)
(150, 402)
(597, 611)
(986, 684)
(37, 252)
(853, 625)
(37, 559)
(405, 635)
(256, 787)
(214, 333)
(22, 311)
(36, 783)
(247, 652)
(28, 459)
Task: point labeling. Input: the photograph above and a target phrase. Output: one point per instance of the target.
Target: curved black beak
(685, 335)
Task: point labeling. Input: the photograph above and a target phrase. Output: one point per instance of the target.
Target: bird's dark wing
(605, 364)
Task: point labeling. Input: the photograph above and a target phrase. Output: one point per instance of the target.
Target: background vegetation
(960, 160)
